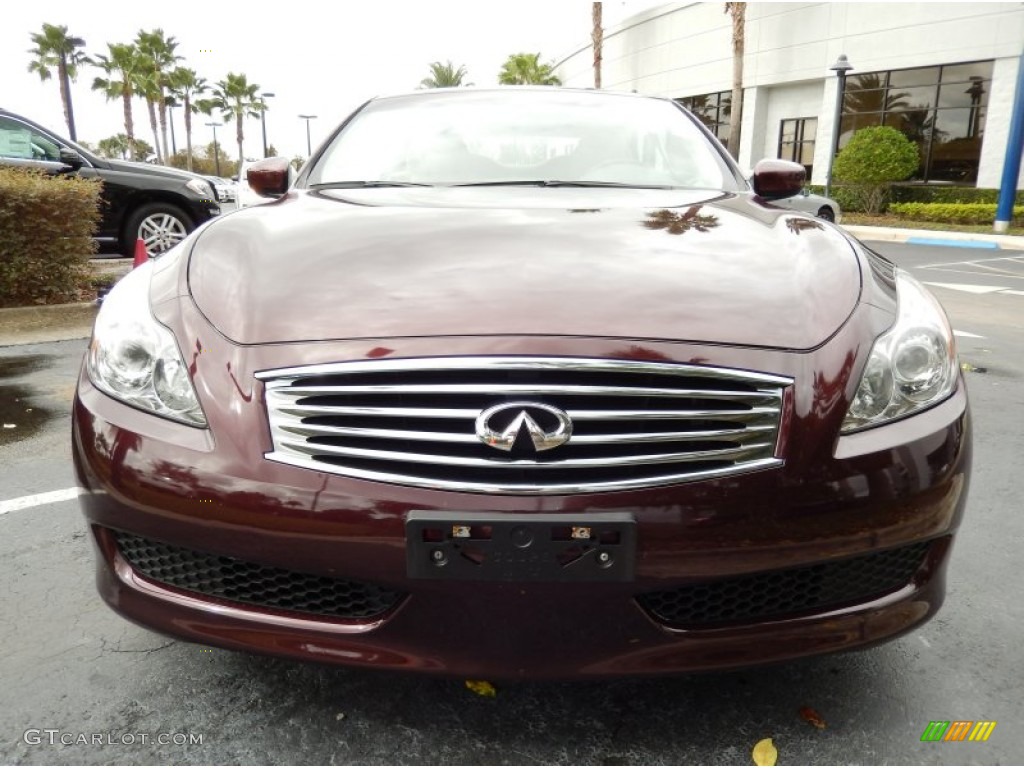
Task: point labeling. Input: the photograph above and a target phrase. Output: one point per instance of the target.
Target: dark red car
(523, 383)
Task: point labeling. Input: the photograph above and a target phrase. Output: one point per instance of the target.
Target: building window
(941, 109)
(796, 141)
(713, 110)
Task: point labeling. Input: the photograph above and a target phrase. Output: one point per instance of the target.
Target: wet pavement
(20, 414)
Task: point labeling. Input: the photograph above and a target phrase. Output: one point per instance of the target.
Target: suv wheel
(160, 225)
(826, 213)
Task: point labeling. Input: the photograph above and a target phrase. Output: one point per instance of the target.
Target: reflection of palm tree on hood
(678, 223)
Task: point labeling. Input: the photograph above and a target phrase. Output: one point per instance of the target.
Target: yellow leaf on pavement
(481, 688)
(765, 753)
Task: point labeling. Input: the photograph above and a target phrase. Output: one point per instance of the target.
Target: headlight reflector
(201, 188)
(136, 360)
(912, 366)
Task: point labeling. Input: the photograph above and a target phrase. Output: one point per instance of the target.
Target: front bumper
(845, 546)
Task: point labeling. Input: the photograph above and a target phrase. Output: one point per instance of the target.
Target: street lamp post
(841, 67)
(216, 151)
(309, 145)
(263, 120)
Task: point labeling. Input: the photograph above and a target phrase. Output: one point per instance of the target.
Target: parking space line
(37, 499)
(1000, 275)
(972, 262)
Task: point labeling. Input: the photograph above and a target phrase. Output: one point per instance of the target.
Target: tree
(146, 85)
(55, 48)
(526, 69)
(121, 147)
(444, 76)
(185, 85)
(873, 159)
(236, 97)
(737, 12)
(117, 146)
(121, 67)
(159, 52)
(597, 37)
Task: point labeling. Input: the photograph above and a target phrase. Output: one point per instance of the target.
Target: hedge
(46, 236)
(922, 193)
(917, 193)
(952, 213)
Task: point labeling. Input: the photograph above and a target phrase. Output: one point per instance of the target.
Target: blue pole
(1014, 147)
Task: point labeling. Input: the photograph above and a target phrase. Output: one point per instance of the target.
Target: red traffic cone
(141, 254)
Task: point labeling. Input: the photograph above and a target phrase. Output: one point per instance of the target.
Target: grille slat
(312, 430)
(553, 390)
(316, 449)
(413, 422)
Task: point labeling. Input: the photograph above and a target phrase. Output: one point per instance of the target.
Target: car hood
(151, 170)
(646, 265)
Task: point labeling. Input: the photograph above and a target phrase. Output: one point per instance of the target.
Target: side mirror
(71, 158)
(269, 177)
(776, 179)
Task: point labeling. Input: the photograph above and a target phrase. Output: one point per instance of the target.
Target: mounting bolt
(604, 558)
(438, 557)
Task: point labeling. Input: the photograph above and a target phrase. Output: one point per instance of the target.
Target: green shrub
(46, 236)
(925, 193)
(952, 213)
(874, 158)
(847, 199)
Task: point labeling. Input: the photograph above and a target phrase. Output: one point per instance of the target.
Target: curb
(936, 237)
(56, 322)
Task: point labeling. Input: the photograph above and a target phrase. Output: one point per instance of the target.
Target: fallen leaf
(765, 753)
(812, 717)
(481, 688)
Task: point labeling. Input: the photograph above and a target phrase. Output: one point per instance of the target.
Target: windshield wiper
(559, 183)
(365, 184)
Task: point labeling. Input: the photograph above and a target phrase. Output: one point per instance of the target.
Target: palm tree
(55, 48)
(159, 49)
(737, 11)
(147, 86)
(184, 85)
(114, 146)
(526, 69)
(236, 97)
(121, 67)
(444, 76)
(597, 36)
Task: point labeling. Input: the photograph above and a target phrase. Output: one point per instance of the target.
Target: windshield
(530, 136)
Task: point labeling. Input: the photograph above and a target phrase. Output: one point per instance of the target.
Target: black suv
(153, 202)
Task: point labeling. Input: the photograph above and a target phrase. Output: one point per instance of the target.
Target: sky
(318, 58)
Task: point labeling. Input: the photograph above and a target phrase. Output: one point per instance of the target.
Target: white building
(943, 73)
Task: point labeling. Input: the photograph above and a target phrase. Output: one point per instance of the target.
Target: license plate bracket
(506, 546)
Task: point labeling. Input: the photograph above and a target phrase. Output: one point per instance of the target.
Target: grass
(886, 220)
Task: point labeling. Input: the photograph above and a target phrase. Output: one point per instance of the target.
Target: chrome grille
(634, 424)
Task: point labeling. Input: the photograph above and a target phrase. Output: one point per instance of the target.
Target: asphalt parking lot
(81, 685)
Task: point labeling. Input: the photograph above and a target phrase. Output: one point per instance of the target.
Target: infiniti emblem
(501, 425)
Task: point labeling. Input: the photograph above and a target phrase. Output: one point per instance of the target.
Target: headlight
(136, 360)
(201, 188)
(912, 366)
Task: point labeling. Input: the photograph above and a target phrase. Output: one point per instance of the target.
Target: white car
(806, 201)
